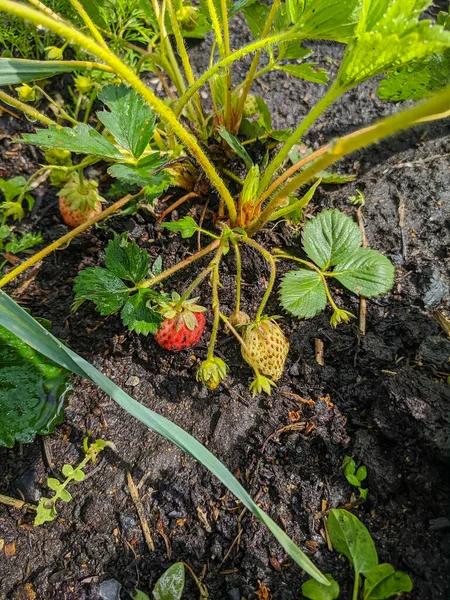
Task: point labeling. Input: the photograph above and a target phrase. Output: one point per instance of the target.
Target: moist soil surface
(381, 398)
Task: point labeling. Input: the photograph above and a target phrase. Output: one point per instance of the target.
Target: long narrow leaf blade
(19, 322)
(20, 70)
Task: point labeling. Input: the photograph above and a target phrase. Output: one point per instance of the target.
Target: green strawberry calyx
(183, 311)
(80, 196)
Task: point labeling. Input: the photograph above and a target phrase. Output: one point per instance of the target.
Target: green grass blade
(19, 322)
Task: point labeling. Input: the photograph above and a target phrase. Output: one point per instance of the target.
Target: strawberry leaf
(138, 317)
(186, 226)
(126, 260)
(104, 288)
(416, 80)
(366, 272)
(328, 19)
(140, 174)
(82, 139)
(331, 237)
(256, 16)
(305, 71)
(131, 121)
(302, 293)
(388, 35)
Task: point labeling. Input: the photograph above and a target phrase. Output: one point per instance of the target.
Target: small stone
(127, 522)
(294, 370)
(435, 350)
(434, 289)
(235, 594)
(27, 483)
(109, 590)
(132, 381)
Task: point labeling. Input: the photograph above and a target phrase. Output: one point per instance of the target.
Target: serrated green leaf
(82, 139)
(64, 495)
(264, 113)
(293, 51)
(67, 470)
(131, 121)
(384, 582)
(389, 35)
(140, 174)
(186, 226)
(305, 71)
(302, 293)
(330, 19)
(350, 537)
(11, 188)
(366, 272)
(239, 5)
(416, 80)
(361, 473)
(54, 484)
(256, 16)
(318, 591)
(126, 260)
(170, 585)
(330, 237)
(104, 288)
(138, 317)
(27, 240)
(236, 146)
(33, 391)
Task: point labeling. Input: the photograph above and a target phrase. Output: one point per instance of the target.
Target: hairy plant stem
(233, 57)
(241, 341)
(216, 26)
(28, 110)
(273, 272)
(238, 274)
(76, 37)
(332, 94)
(197, 281)
(184, 56)
(65, 239)
(89, 23)
(215, 302)
(181, 265)
(251, 75)
(348, 144)
(228, 84)
(62, 113)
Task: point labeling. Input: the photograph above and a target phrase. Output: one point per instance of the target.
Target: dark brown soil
(381, 398)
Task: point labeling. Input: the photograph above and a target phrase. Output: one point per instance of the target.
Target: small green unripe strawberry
(212, 371)
(267, 347)
(26, 93)
(250, 106)
(54, 53)
(187, 16)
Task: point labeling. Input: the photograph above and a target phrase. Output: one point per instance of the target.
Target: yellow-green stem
(59, 108)
(76, 37)
(226, 43)
(348, 144)
(181, 265)
(48, 11)
(273, 272)
(277, 162)
(255, 62)
(28, 110)
(216, 26)
(238, 275)
(215, 303)
(197, 281)
(90, 24)
(65, 239)
(183, 55)
(241, 341)
(301, 203)
(229, 60)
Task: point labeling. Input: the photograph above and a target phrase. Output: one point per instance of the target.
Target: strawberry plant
(149, 144)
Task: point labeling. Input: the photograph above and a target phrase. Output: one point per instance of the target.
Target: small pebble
(132, 381)
(109, 590)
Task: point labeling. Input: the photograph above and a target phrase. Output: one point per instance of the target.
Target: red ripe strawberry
(183, 325)
(79, 201)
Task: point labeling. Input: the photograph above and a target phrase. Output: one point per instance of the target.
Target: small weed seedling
(148, 144)
(169, 586)
(373, 581)
(46, 510)
(355, 476)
